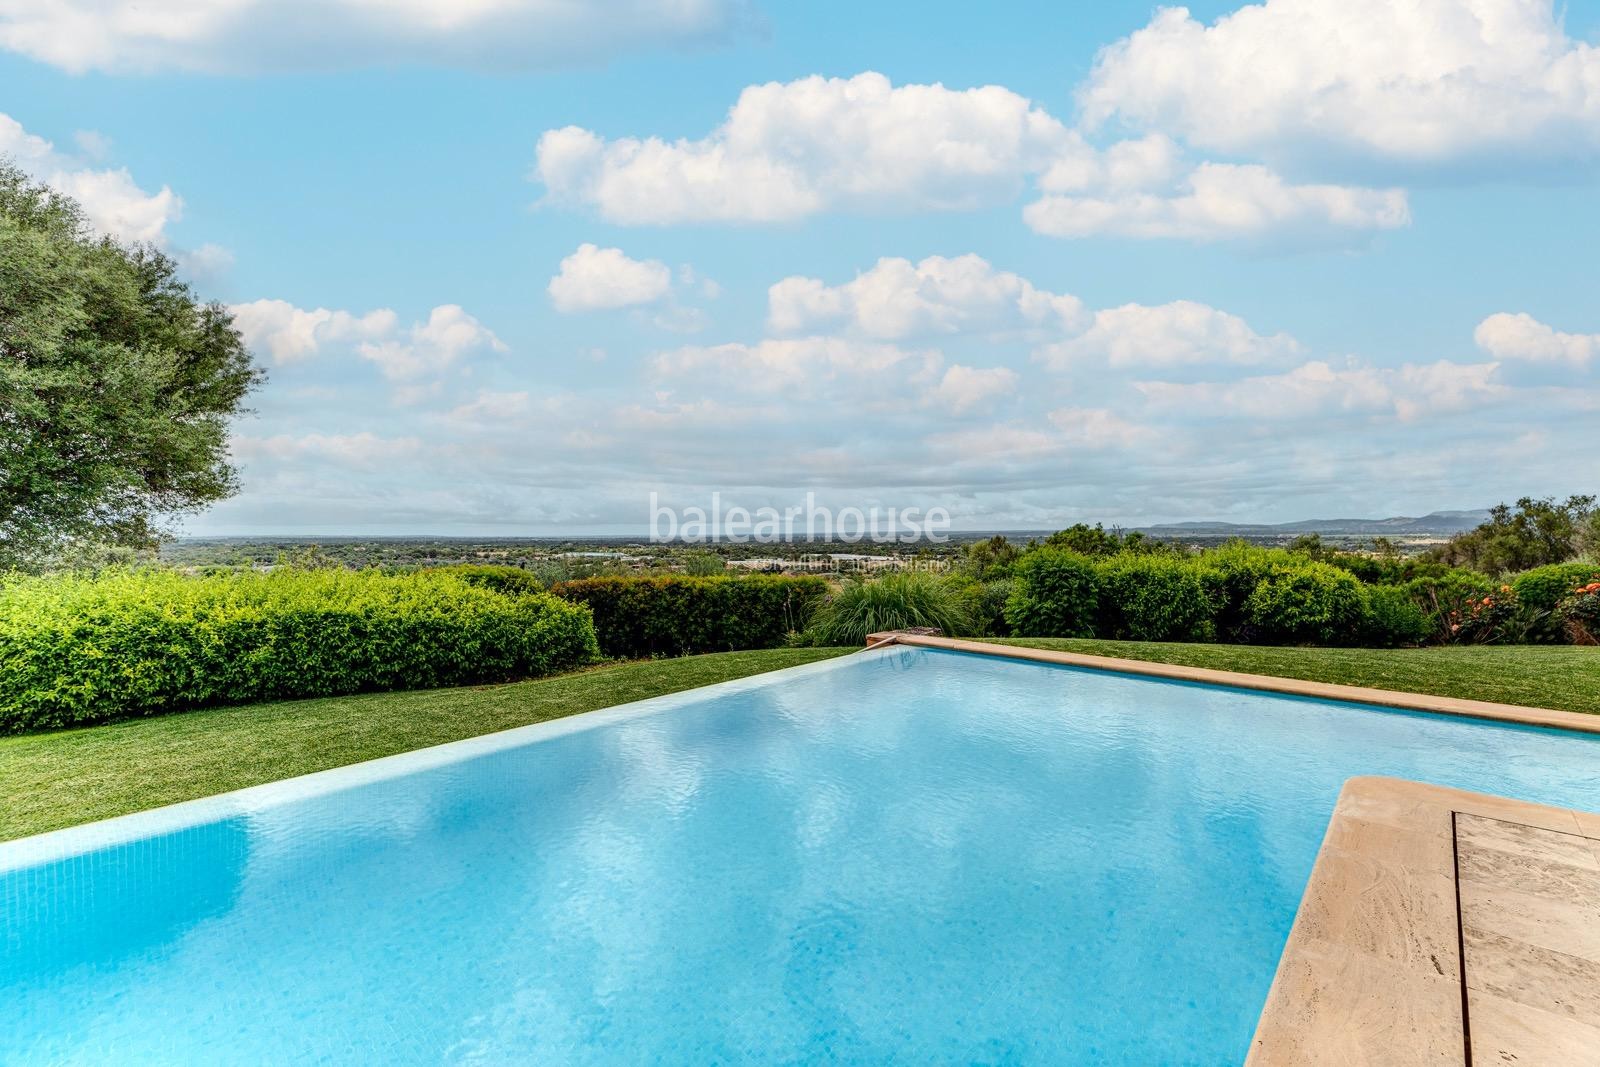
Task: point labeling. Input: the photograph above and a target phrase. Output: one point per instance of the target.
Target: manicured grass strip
(75, 776)
(1540, 676)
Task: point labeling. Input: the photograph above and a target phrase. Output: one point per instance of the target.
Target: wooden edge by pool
(1439, 926)
(1477, 709)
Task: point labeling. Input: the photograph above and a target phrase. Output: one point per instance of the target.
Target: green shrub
(1393, 619)
(987, 561)
(1381, 570)
(1098, 542)
(676, 615)
(79, 649)
(1236, 569)
(1153, 597)
(1306, 603)
(985, 607)
(894, 602)
(1056, 594)
(702, 564)
(1271, 597)
(1542, 589)
(512, 581)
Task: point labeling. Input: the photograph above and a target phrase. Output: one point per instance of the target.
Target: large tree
(1536, 533)
(116, 383)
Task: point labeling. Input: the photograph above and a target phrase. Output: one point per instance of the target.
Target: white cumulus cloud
(964, 388)
(289, 333)
(595, 279)
(1219, 201)
(791, 150)
(1320, 388)
(798, 364)
(431, 347)
(1523, 337)
(1182, 332)
(966, 296)
(896, 299)
(788, 150)
(113, 203)
(1414, 81)
(228, 36)
(1098, 428)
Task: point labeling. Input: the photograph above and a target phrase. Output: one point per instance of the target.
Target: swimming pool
(903, 854)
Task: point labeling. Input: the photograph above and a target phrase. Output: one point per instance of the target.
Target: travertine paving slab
(1436, 920)
(1506, 1032)
(1530, 924)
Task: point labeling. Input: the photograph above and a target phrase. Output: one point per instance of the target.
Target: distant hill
(1438, 522)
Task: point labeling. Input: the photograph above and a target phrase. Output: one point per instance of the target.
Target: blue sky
(514, 267)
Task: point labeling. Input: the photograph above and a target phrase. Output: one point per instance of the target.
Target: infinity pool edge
(68, 841)
(1267, 683)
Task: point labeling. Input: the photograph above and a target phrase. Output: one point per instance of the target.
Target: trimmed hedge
(77, 650)
(678, 615)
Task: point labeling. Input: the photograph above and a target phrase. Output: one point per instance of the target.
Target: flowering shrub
(1485, 620)
(1542, 589)
(1580, 612)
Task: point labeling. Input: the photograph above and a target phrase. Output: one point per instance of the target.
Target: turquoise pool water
(904, 855)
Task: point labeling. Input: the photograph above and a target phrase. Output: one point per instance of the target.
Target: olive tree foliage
(116, 384)
(1536, 533)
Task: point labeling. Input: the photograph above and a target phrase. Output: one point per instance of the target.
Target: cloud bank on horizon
(900, 291)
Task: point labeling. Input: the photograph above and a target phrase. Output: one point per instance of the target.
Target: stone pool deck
(1439, 926)
(1442, 927)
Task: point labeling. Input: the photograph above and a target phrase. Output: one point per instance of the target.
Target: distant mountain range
(1438, 522)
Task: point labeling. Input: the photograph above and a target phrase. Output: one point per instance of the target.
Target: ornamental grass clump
(79, 649)
(894, 602)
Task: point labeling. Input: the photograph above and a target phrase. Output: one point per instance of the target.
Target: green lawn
(73, 776)
(1543, 676)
